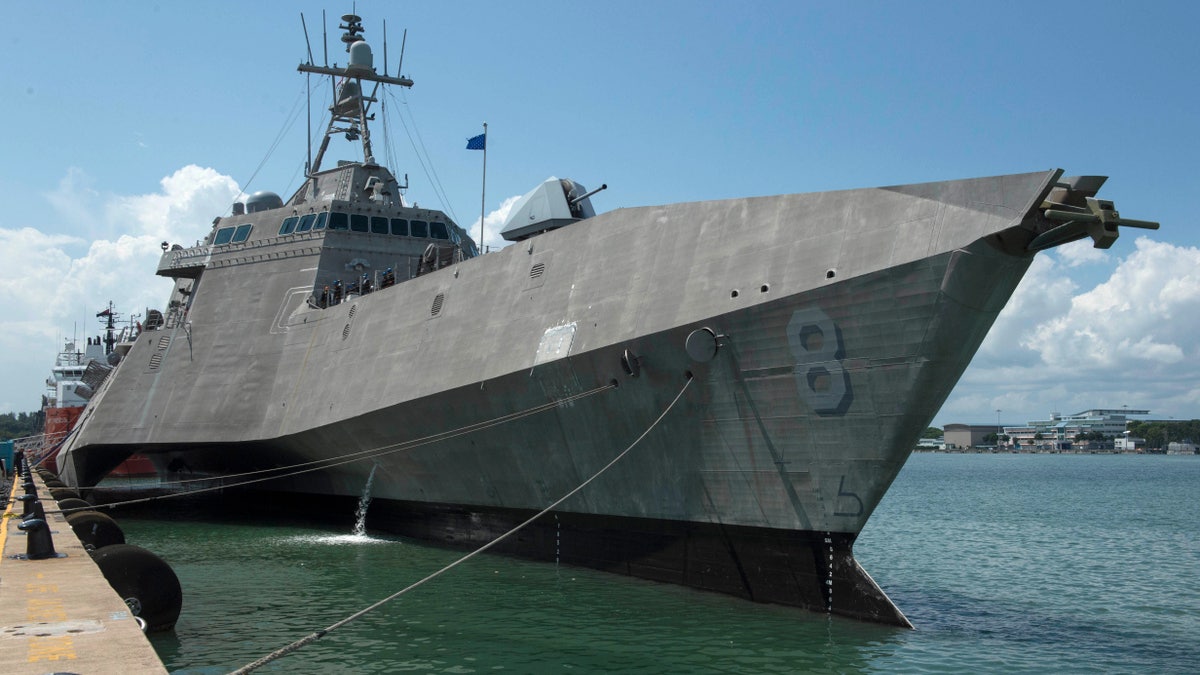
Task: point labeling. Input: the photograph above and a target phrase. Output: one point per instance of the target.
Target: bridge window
(358, 222)
(321, 218)
(438, 230)
(289, 224)
(223, 236)
(379, 225)
(306, 223)
(242, 233)
(339, 221)
(400, 227)
(420, 228)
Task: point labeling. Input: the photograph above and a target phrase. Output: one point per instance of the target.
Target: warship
(762, 367)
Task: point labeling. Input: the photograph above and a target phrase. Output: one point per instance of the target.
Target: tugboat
(767, 363)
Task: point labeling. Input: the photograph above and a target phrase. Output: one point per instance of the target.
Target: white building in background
(931, 444)
(1059, 432)
(1184, 448)
(1127, 443)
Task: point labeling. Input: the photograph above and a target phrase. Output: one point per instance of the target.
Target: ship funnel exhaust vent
(437, 304)
(537, 270)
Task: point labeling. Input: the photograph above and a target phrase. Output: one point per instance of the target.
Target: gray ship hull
(816, 336)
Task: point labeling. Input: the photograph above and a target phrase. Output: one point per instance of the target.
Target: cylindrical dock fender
(55, 483)
(95, 530)
(71, 503)
(145, 582)
(60, 494)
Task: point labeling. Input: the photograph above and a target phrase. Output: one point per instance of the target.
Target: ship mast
(349, 112)
(108, 317)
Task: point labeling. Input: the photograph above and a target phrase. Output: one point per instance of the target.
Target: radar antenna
(349, 112)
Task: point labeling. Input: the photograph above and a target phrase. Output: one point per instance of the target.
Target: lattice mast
(350, 112)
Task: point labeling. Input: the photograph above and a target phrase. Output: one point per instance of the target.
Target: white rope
(422, 155)
(287, 125)
(313, 637)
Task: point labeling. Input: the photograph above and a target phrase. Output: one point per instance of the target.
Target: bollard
(36, 510)
(30, 488)
(40, 545)
(27, 502)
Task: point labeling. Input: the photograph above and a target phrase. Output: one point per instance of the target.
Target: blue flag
(477, 143)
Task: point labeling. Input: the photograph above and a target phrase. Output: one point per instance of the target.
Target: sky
(134, 123)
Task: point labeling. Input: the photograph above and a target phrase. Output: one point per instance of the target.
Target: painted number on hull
(844, 494)
(816, 343)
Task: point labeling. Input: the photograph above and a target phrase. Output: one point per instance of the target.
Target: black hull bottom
(813, 570)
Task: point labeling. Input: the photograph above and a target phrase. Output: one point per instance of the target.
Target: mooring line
(370, 453)
(313, 637)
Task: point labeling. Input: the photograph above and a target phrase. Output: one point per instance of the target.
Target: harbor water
(1004, 563)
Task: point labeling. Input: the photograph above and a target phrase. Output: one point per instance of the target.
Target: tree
(18, 425)
(932, 432)
(1160, 432)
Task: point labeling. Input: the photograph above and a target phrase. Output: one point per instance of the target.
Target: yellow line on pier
(60, 614)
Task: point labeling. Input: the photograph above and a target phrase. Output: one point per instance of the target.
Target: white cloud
(492, 225)
(73, 201)
(190, 199)
(1129, 340)
(1080, 252)
(53, 284)
(1145, 315)
(1044, 293)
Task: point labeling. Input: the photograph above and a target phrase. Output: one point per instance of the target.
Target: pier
(59, 614)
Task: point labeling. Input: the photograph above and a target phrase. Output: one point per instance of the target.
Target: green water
(1004, 563)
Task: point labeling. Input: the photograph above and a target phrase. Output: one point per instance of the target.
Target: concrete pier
(60, 614)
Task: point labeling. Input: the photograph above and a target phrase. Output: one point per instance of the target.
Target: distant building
(1129, 443)
(931, 444)
(963, 436)
(1059, 432)
(1182, 448)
